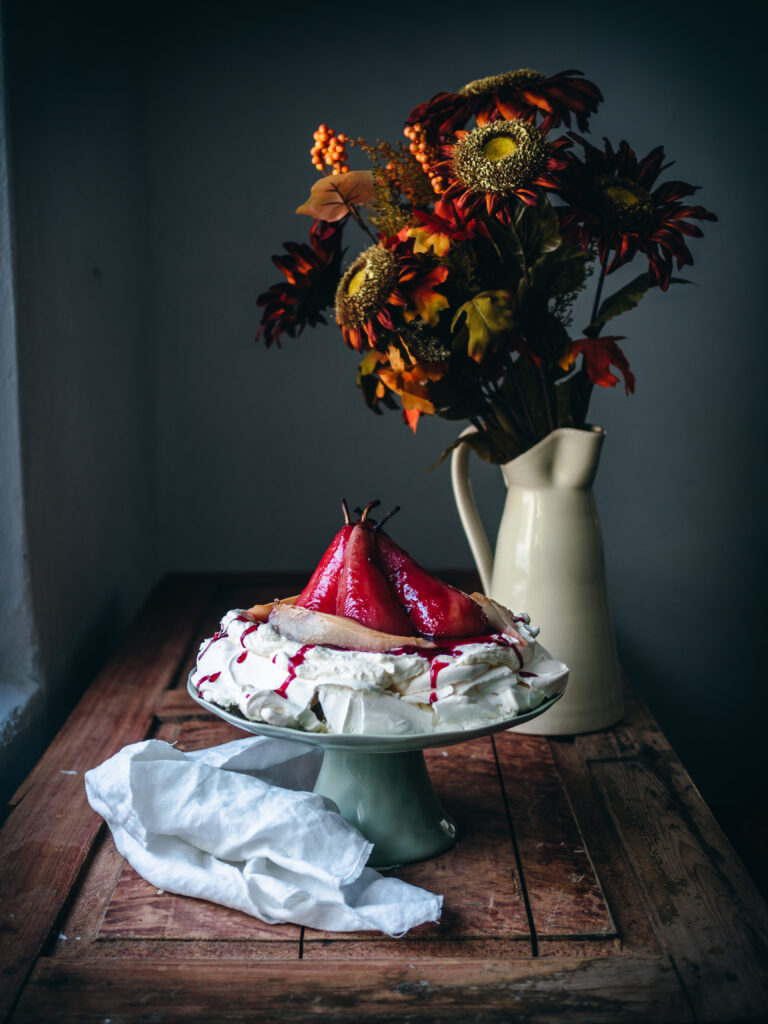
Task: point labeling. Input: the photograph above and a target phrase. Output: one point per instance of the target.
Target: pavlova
(376, 645)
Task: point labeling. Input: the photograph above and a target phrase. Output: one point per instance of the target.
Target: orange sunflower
(521, 94)
(312, 272)
(387, 287)
(611, 200)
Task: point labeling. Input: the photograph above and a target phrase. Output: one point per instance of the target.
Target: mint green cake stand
(380, 783)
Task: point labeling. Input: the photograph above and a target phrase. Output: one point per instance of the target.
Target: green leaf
(537, 229)
(493, 446)
(529, 379)
(486, 317)
(624, 299)
(572, 397)
(561, 271)
(368, 364)
(534, 231)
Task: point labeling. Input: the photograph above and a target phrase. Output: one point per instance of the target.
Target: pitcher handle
(470, 520)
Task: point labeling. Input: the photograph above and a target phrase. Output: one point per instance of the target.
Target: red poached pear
(366, 577)
(435, 608)
(321, 592)
(364, 593)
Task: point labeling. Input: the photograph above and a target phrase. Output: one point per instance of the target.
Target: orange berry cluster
(391, 172)
(329, 149)
(425, 155)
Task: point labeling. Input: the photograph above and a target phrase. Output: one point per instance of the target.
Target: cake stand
(380, 784)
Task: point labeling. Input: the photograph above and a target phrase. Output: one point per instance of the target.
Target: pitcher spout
(566, 458)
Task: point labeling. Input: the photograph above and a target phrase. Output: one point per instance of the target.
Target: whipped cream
(461, 685)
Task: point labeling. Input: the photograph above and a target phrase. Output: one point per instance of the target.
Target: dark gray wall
(253, 448)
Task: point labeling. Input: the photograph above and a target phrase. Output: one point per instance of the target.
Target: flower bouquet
(483, 227)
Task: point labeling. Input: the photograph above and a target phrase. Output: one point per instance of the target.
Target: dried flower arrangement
(483, 229)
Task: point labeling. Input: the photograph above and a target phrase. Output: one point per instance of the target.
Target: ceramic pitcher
(549, 562)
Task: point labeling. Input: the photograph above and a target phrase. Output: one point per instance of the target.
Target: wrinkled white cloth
(233, 824)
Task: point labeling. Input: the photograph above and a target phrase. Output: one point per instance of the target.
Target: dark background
(157, 153)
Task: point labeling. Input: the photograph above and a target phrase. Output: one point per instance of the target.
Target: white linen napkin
(232, 824)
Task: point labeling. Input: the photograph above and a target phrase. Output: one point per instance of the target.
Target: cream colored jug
(549, 562)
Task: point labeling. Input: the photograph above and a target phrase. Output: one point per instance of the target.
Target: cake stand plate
(380, 783)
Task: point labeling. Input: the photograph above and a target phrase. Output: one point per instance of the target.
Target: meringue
(254, 670)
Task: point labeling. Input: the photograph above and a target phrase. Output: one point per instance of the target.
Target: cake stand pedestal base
(389, 798)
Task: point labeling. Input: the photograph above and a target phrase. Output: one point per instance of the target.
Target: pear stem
(367, 509)
(389, 515)
(345, 509)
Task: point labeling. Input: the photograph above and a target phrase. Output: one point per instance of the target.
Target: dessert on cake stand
(368, 595)
(380, 783)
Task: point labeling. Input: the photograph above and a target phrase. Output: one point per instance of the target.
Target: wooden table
(591, 882)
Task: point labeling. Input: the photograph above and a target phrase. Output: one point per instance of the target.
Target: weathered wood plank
(176, 950)
(478, 878)
(176, 703)
(91, 897)
(718, 943)
(419, 945)
(141, 911)
(563, 892)
(196, 733)
(115, 904)
(576, 991)
(47, 836)
(609, 859)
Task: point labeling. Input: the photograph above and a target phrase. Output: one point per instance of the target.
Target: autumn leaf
(331, 196)
(485, 317)
(427, 303)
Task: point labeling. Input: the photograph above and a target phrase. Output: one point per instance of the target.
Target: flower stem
(545, 392)
(521, 397)
(599, 292)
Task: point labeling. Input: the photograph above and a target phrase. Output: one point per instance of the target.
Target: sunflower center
(356, 281)
(621, 195)
(498, 147)
(500, 157)
(364, 288)
(625, 204)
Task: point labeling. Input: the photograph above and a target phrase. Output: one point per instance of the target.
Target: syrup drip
(435, 668)
(207, 679)
(251, 629)
(219, 635)
(216, 636)
(293, 664)
(241, 657)
(451, 645)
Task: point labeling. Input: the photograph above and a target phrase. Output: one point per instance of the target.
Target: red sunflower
(612, 200)
(521, 94)
(387, 287)
(498, 161)
(312, 273)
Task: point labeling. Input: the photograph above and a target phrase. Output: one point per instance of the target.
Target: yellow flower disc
(624, 196)
(356, 281)
(498, 147)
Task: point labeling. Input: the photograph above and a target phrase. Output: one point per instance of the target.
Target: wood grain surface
(590, 881)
